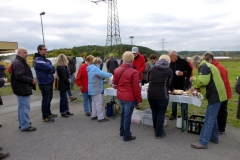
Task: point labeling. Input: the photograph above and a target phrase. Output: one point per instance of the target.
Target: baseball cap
(134, 50)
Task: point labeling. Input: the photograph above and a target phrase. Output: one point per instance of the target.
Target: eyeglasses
(44, 49)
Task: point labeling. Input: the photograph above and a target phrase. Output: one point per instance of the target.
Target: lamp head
(42, 13)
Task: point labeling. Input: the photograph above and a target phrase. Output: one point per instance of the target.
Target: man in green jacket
(210, 83)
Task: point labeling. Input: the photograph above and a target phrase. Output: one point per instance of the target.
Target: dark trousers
(47, 93)
(63, 102)
(158, 108)
(222, 116)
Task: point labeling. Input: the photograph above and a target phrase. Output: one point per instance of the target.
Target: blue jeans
(87, 100)
(210, 127)
(63, 102)
(72, 77)
(69, 93)
(23, 110)
(158, 108)
(174, 107)
(126, 115)
(47, 93)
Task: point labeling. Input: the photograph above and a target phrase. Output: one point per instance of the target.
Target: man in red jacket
(222, 113)
(138, 64)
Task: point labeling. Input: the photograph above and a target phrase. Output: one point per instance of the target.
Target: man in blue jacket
(44, 71)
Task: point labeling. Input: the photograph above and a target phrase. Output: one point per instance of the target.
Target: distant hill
(100, 51)
(118, 50)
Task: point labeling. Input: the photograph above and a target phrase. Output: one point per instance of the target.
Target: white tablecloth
(172, 98)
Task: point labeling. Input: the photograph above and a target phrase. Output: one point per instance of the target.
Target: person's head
(153, 58)
(196, 60)
(69, 58)
(42, 49)
(89, 59)
(128, 57)
(97, 61)
(22, 52)
(111, 56)
(62, 60)
(145, 57)
(208, 56)
(165, 57)
(173, 56)
(135, 51)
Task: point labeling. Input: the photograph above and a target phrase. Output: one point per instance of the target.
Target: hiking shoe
(222, 132)
(88, 114)
(163, 135)
(48, 120)
(3, 156)
(64, 115)
(69, 114)
(131, 138)
(103, 120)
(172, 117)
(53, 116)
(73, 98)
(198, 146)
(93, 118)
(29, 129)
(214, 141)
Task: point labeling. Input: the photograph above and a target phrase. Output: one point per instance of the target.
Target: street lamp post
(131, 39)
(42, 13)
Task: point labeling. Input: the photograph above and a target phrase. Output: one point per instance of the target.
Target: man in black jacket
(181, 73)
(22, 83)
(112, 64)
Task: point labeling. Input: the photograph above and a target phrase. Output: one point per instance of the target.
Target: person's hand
(180, 73)
(5, 80)
(34, 81)
(81, 87)
(191, 79)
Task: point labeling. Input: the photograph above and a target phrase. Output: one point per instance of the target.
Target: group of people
(165, 74)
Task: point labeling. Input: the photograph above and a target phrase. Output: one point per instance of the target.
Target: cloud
(185, 25)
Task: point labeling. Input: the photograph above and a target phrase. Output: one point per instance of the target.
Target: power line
(162, 41)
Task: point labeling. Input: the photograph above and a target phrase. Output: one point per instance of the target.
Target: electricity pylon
(113, 31)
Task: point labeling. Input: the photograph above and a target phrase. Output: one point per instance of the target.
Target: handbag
(1, 102)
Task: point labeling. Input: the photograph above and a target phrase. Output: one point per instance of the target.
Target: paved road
(79, 138)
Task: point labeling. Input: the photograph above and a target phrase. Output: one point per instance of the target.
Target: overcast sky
(185, 24)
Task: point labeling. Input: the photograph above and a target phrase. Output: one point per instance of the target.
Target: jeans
(125, 121)
(210, 127)
(63, 102)
(69, 93)
(174, 108)
(222, 116)
(23, 110)
(72, 77)
(158, 108)
(47, 93)
(87, 100)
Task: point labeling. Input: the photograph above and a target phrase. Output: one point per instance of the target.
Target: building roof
(8, 47)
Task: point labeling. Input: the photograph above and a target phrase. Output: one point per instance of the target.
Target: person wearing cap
(138, 64)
